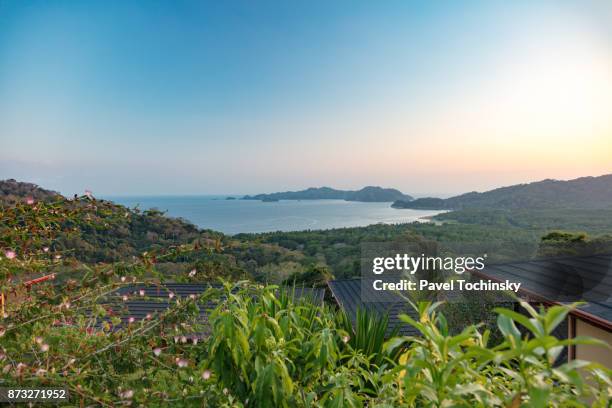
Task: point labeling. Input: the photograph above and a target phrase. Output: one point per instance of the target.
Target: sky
(241, 97)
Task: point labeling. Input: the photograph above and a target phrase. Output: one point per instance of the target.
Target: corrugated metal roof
(348, 295)
(563, 280)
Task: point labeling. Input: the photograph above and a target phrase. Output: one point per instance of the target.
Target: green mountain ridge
(366, 194)
(580, 193)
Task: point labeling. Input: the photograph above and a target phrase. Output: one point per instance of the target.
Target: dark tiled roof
(563, 280)
(348, 295)
(156, 300)
(183, 290)
(143, 309)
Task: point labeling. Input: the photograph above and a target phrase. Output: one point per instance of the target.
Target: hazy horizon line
(238, 195)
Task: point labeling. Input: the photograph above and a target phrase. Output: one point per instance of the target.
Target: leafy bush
(438, 369)
(265, 349)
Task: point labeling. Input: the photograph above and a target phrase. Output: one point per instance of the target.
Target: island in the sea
(366, 194)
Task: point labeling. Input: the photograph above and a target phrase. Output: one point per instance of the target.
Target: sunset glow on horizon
(205, 98)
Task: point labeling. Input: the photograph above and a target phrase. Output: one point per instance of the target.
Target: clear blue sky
(190, 97)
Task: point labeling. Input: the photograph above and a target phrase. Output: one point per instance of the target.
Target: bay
(251, 216)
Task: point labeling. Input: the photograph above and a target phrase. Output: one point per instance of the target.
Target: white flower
(29, 201)
(131, 320)
(148, 316)
(195, 340)
(192, 273)
(206, 374)
(141, 292)
(125, 298)
(45, 249)
(41, 372)
(10, 254)
(181, 362)
(183, 339)
(44, 348)
(127, 394)
(192, 296)
(170, 295)
(225, 391)
(157, 351)
(345, 339)
(38, 340)
(123, 279)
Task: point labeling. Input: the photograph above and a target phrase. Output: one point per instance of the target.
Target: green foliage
(440, 369)
(315, 276)
(368, 334)
(262, 349)
(259, 347)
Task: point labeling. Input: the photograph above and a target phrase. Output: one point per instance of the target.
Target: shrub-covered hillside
(91, 231)
(244, 345)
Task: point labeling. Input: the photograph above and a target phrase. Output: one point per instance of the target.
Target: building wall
(593, 353)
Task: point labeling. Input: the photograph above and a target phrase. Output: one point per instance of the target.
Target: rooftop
(563, 280)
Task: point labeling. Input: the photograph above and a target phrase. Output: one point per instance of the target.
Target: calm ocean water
(235, 216)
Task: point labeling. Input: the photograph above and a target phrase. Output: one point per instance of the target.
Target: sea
(218, 213)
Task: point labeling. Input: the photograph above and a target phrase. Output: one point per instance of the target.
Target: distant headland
(366, 194)
(580, 193)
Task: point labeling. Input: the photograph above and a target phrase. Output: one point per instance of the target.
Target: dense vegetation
(95, 231)
(368, 194)
(506, 235)
(583, 193)
(263, 350)
(258, 348)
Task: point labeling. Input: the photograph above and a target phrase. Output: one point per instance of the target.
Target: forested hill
(90, 231)
(580, 193)
(12, 191)
(367, 194)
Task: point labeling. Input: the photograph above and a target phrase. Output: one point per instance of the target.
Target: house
(565, 280)
(543, 282)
